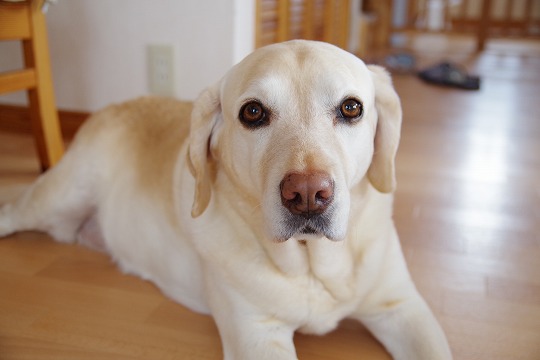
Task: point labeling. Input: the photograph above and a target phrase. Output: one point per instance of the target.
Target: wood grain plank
(17, 80)
(14, 22)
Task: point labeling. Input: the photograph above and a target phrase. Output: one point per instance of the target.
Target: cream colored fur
(196, 208)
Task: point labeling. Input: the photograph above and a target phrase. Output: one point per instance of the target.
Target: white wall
(98, 47)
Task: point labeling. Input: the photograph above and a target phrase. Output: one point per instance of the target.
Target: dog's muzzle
(308, 197)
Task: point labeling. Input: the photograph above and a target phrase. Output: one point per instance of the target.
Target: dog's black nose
(307, 193)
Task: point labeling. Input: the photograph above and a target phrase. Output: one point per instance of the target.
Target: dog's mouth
(300, 227)
(306, 234)
(308, 230)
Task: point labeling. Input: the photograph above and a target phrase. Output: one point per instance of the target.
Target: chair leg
(43, 113)
(46, 130)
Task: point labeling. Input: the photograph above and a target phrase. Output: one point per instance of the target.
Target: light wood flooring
(467, 209)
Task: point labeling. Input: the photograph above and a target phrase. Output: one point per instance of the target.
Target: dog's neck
(328, 261)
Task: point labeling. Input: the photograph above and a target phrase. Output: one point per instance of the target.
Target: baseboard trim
(15, 118)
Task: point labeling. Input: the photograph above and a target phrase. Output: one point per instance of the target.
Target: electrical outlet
(161, 70)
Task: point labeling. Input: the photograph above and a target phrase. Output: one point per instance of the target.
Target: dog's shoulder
(143, 119)
(141, 137)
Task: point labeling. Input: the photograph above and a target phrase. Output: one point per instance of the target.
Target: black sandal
(448, 74)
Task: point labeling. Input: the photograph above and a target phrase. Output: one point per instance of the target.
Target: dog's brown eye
(253, 114)
(351, 109)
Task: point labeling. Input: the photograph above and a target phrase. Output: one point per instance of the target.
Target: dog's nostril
(307, 194)
(322, 195)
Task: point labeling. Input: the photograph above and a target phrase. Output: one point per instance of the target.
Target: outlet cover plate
(160, 70)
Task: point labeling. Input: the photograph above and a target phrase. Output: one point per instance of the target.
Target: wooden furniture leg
(26, 22)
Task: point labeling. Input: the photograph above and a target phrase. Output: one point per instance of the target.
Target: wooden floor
(467, 209)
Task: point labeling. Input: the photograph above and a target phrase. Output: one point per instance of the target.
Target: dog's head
(296, 126)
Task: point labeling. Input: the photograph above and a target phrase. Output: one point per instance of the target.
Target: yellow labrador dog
(271, 210)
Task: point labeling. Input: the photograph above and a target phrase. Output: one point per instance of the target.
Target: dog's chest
(318, 284)
(311, 285)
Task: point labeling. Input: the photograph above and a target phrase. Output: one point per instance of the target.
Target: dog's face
(295, 126)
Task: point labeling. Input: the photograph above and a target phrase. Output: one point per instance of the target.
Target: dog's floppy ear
(381, 172)
(204, 117)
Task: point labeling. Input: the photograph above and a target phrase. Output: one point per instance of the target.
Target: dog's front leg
(247, 332)
(409, 331)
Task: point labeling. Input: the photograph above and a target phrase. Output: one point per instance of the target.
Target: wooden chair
(25, 21)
